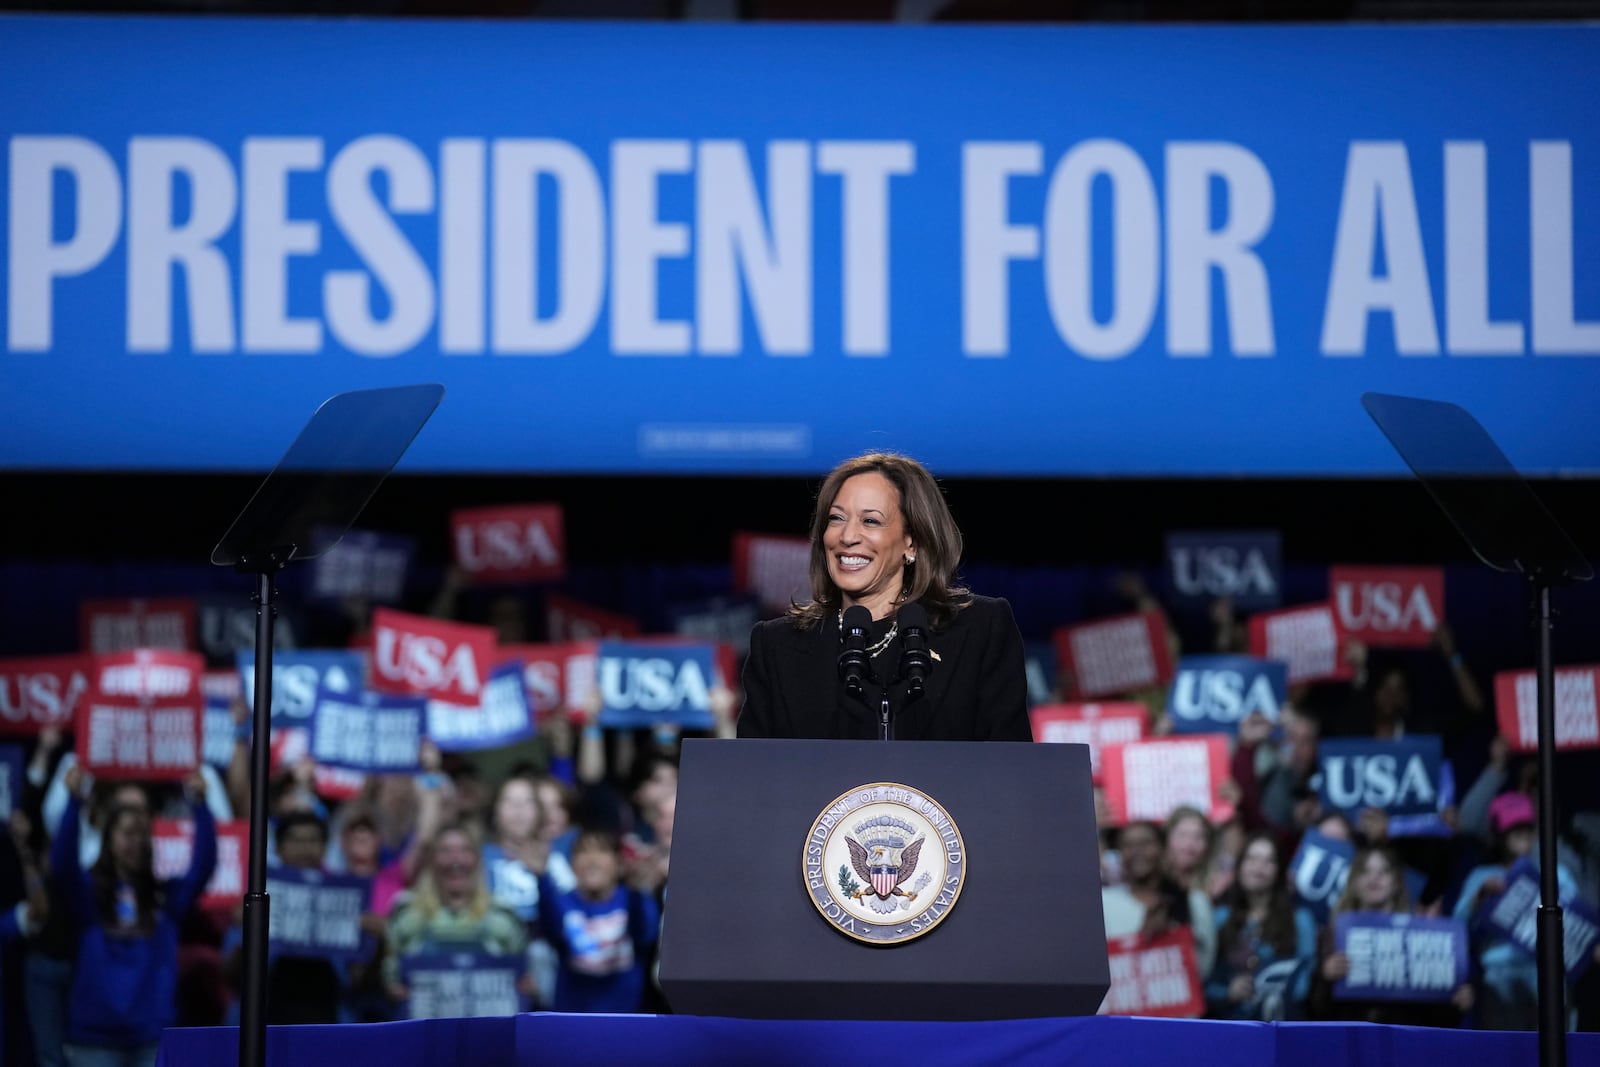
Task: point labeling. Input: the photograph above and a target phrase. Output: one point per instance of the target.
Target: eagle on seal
(883, 868)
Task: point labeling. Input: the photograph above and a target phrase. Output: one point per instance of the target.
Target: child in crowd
(602, 931)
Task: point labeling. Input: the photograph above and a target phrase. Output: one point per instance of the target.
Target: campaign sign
(501, 717)
(721, 620)
(776, 569)
(556, 675)
(1214, 694)
(228, 627)
(378, 733)
(172, 845)
(1321, 868)
(1148, 780)
(1399, 607)
(11, 779)
(1400, 777)
(1514, 915)
(461, 985)
(121, 625)
(1114, 655)
(297, 678)
(573, 620)
(1306, 638)
(521, 543)
(219, 689)
(316, 914)
(1154, 976)
(120, 737)
(1095, 725)
(1516, 706)
(645, 684)
(363, 564)
(429, 657)
(1400, 957)
(42, 691)
(1244, 565)
(148, 674)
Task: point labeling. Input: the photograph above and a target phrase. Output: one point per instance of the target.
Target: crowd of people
(560, 861)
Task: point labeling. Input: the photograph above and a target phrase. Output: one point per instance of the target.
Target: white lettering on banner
(504, 545)
(1401, 959)
(294, 687)
(610, 238)
(1377, 781)
(502, 711)
(780, 570)
(1096, 733)
(39, 697)
(424, 662)
(349, 569)
(172, 739)
(148, 680)
(117, 632)
(1166, 776)
(1113, 656)
(1384, 606)
(653, 684)
(1219, 571)
(1222, 695)
(1577, 713)
(1334, 869)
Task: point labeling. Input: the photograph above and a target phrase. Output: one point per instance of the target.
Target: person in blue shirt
(602, 931)
(125, 924)
(1266, 946)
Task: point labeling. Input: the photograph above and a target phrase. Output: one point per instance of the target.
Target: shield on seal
(884, 863)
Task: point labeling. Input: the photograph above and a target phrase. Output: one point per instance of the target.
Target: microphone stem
(883, 717)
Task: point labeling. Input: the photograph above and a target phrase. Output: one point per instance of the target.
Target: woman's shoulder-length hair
(931, 579)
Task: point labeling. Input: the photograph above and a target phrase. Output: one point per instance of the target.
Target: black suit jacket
(978, 690)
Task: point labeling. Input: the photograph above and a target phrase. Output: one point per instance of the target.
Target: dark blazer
(978, 689)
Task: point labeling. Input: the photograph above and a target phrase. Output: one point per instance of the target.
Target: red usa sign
(1147, 780)
(776, 569)
(572, 620)
(1516, 706)
(42, 691)
(1393, 606)
(119, 625)
(1154, 976)
(1115, 655)
(556, 675)
(172, 847)
(1095, 725)
(447, 661)
(1308, 639)
(510, 544)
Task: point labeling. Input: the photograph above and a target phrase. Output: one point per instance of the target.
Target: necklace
(877, 646)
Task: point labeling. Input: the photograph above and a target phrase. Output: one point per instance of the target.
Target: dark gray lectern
(1026, 938)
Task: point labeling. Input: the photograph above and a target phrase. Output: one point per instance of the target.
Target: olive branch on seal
(847, 884)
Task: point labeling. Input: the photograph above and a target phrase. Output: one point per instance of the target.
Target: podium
(749, 932)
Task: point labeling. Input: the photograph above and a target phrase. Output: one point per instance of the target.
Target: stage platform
(542, 1039)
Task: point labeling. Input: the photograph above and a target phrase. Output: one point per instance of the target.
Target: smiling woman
(882, 538)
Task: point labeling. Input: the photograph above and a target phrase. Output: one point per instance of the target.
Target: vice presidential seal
(884, 863)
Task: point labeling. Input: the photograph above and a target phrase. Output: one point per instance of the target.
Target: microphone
(915, 662)
(853, 666)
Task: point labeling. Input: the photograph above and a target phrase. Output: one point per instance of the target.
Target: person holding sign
(603, 931)
(883, 539)
(1266, 947)
(1376, 884)
(1510, 986)
(450, 910)
(126, 926)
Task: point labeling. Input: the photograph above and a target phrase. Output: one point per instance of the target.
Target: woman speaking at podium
(883, 540)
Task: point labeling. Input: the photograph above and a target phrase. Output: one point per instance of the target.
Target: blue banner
(298, 677)
(1213, 694)
(1397, 777)
(1246, 566)
(502, 717)
(318, 914)
(12, 767)
(1059, 249)
(1400, 957)
(720, 620)
(379, 733)
(217, 730)
(1514, 915)
(1321, 868)
(648, 684)
(363, 564)
(456, 985)
(226, 626)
